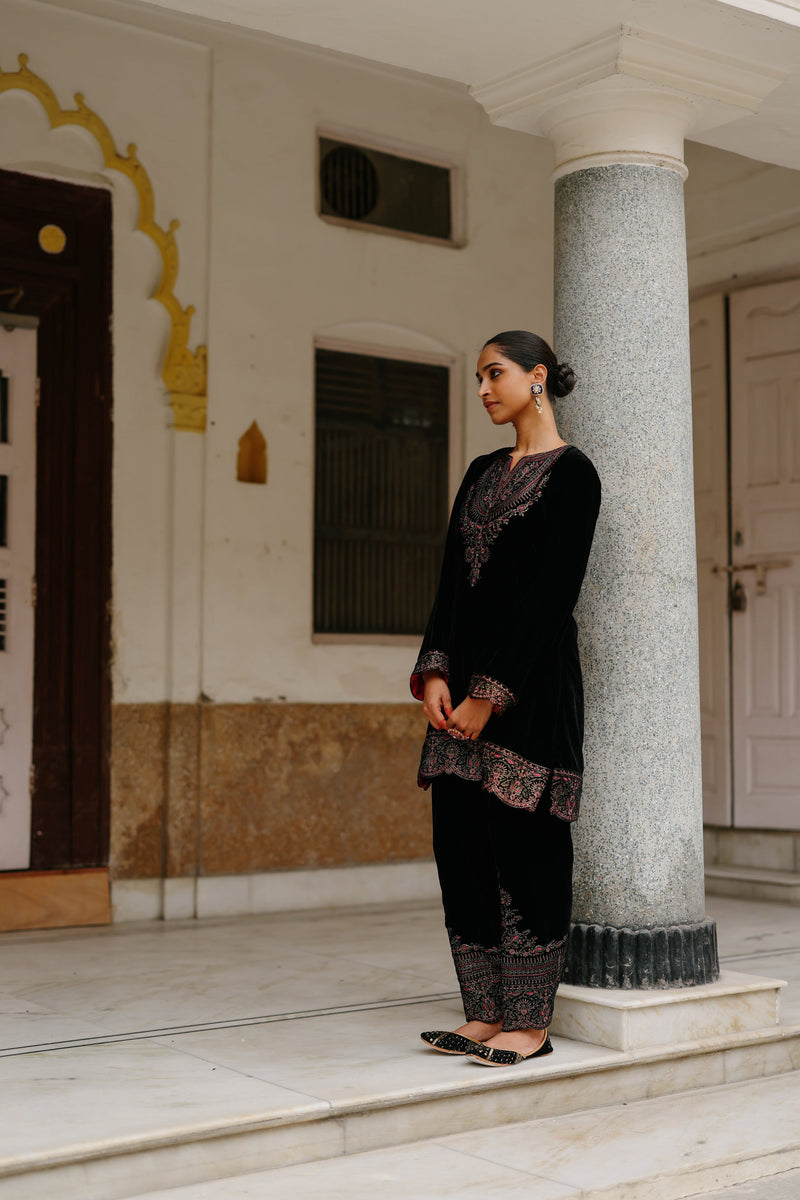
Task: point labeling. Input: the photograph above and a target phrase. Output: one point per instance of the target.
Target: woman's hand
(436, 702)
(469, 718)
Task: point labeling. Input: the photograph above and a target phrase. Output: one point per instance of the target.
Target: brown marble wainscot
(216, 789)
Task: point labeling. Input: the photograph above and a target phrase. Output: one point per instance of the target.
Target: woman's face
(504, 386)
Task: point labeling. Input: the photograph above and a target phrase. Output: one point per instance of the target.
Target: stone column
(621, 320)
(617, 111)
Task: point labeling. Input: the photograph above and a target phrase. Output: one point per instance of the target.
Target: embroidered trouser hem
(506, 879)
(517, 989)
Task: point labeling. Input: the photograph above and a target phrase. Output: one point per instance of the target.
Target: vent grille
(349, 182)
(380, 492)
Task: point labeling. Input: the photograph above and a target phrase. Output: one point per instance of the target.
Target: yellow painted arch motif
(184, 371)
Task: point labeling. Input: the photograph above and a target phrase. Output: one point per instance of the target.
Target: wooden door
(55, 264)
(709, 418)
(17, 582)
(765, 502)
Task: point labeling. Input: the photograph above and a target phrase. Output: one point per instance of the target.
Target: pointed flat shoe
(492, 1056)
(449, 1043)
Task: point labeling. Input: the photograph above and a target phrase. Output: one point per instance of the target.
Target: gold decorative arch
(184, 371)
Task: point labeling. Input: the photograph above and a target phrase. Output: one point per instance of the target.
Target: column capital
(618, 120)
(630, 96)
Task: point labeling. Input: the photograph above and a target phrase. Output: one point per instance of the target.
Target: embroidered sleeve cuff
(433, 660)
(481, 687)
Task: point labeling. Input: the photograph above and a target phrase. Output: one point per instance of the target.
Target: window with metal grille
(380, 492)
(365, 186)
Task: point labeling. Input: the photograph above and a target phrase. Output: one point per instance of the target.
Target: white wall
(212, 578)
(742, 216)
(225, 125)
(280, 275)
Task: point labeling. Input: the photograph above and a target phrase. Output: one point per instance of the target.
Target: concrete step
(753, 883)
(419, 1093)
(179, 1054)
(703, 1142)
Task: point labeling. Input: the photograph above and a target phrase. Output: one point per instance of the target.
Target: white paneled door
(765, 556)
(709, 419)
(17, 567)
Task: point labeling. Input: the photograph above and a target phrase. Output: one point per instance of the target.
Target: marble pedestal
(641, 1021)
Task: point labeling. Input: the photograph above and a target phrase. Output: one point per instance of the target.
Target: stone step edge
(156, 1150)
(680, 1184)
(752, 875)
(694, 1181)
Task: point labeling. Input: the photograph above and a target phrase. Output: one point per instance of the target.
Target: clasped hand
(466, 720)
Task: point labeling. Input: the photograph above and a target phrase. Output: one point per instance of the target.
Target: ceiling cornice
(696, 70)
(704, 75)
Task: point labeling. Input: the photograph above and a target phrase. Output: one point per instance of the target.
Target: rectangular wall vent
(363, 186)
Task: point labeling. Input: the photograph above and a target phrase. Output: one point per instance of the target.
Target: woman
(500, 680)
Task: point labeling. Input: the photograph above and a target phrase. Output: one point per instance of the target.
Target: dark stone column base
(667, 957)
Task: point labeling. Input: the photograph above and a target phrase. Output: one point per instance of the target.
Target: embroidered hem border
(433, 660)
(483, 687)
(530, 983)
(499, 984)
(478, 974)
(512, 778)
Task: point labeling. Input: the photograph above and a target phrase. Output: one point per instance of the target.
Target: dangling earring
(536, 392)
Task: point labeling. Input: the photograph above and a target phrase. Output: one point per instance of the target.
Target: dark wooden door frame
(70, 293)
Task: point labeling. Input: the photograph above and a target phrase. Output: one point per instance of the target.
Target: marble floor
(155, 1031)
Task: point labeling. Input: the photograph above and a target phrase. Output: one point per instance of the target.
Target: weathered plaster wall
(225, 124)
(212, 578)
(281, 276)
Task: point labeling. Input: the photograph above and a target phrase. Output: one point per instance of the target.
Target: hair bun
(564, 380)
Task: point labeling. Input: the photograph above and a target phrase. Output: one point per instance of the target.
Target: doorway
(746, 404)
(55, 270)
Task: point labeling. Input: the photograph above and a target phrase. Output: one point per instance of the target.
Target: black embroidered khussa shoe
(492, 1056)
(449, 1043)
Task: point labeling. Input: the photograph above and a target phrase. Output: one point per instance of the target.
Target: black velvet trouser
(506, 879)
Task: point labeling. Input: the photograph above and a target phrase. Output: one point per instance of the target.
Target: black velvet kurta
(502, 627)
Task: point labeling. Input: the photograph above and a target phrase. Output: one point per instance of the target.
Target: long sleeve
(434, 653)
(544, 582)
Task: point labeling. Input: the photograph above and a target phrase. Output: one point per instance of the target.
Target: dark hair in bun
(527, 350)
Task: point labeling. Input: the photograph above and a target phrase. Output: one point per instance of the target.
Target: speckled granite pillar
(621, 320)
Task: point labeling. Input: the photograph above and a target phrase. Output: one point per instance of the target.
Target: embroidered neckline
(497, 495)
(512, 466)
